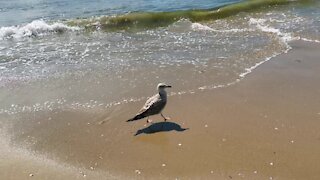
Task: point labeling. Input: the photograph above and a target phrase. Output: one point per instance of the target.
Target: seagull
(154, 105)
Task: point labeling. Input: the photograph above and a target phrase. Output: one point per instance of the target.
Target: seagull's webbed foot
(148, 121)
(165, 118)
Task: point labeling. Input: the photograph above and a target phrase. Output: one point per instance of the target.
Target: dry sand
(267, 126)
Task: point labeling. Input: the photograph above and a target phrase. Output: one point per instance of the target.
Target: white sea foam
(62, 103)
(250, 69)
(232, 30)
(261, 25)
(35, 28)
(185, 24)
(284, 37)
(310, 40)
(200, 27)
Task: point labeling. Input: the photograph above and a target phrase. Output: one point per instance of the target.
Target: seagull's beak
(167, 86)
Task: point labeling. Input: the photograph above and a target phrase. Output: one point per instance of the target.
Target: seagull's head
(162, 86)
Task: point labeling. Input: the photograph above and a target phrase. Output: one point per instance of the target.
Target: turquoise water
(92, 55)
(16, 12)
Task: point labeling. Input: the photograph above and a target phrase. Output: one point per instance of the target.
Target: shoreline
(266, 125)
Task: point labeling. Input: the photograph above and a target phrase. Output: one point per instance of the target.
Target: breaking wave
(146, 20)
(35, 28)
(140, 20)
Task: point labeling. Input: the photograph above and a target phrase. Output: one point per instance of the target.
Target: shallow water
(53, 65)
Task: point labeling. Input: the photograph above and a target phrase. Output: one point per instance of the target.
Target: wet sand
(267, 126)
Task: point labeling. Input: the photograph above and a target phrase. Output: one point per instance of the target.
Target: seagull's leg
(148, 121)
(165, 118)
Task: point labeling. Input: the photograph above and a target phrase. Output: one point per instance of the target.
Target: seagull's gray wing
(154, 105)
(152, 101)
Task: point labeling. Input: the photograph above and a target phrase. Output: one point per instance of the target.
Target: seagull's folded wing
(151, 102)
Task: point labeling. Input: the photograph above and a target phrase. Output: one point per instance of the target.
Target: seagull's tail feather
(137, 117)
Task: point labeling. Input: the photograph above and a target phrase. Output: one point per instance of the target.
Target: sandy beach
(266, 126)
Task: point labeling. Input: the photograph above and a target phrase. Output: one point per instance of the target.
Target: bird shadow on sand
(161, 127)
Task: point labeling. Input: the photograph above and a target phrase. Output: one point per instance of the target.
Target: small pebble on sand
(211, 172)
(179, 144)
(271, 164)
(137, 171)
(206, 125)
(255, 172)
(276, 128)
(163, 165)
(30, 175)
(84, 175)
(292, 141)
